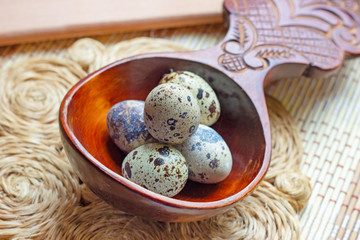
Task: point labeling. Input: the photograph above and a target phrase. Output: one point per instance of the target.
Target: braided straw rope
(41, 197)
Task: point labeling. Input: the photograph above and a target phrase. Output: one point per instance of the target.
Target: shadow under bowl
(98, 161)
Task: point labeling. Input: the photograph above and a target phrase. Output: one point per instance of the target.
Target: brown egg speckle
(157, 167)
(172, 114)
(126, 126)
(205, 95)
(208, 157)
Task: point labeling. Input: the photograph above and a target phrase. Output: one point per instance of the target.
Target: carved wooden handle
(265, 34)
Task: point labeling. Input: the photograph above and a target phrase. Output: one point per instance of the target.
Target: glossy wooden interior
(239, 123)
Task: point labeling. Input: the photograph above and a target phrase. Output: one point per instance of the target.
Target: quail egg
(205, 95)
(157, 167)
(208, 157)
(126, 126)
(171, 113)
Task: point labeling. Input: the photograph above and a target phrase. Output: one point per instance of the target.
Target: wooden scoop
(267, 40)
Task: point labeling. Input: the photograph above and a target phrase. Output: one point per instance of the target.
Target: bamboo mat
(326, 111)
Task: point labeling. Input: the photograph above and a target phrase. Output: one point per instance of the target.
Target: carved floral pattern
(315, 32)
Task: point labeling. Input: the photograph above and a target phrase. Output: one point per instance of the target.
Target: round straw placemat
(41, 197)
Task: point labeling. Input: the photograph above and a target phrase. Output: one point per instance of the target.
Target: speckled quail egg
(208, 101)
(171, 113)
(208, 157)
(126, 126)
(157, 167)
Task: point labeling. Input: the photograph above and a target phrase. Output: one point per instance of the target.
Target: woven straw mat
(41, 197)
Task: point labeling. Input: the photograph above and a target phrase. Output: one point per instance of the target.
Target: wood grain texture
(24, 21)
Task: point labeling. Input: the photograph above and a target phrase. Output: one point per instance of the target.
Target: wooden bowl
(98, 161)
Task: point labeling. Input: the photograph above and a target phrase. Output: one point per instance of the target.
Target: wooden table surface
(26, 21)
